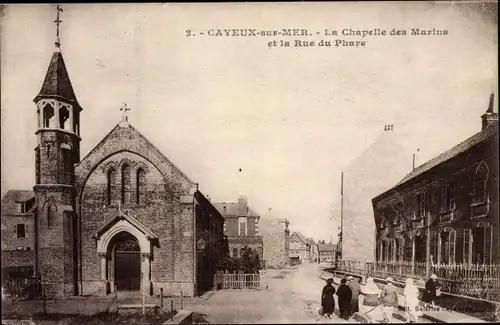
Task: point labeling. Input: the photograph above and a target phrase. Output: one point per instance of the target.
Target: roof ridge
(472, 141)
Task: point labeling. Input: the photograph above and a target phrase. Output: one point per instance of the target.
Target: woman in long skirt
(327, 299)
(411, 301)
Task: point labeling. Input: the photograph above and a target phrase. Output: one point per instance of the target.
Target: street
(292, 296)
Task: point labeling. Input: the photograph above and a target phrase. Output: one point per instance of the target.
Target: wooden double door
(127, 264)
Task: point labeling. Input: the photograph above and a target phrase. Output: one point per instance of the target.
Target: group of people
(348, 294)
(375, 303)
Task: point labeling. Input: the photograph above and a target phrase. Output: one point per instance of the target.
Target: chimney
(489, 118)
(242, 206)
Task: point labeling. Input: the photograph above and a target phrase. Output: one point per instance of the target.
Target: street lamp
(200, 244)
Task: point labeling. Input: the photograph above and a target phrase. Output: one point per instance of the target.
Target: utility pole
(341, 214)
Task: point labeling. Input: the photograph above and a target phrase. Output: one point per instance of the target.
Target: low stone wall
(483, 309)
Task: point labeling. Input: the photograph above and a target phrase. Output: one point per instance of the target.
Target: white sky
(290, 118)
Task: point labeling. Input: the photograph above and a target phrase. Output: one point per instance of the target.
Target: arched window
(63, 117)
(111, 185)
(48, 113)
(235, 252)
(125, 183)
(140, 186)
(50, 216)
(480, 178)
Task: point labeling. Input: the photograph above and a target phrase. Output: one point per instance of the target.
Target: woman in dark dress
(345, 294)
(327, 300)
(430, 290)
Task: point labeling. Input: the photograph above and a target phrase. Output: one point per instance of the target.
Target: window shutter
(15, 231)
(488, 232)
(26, 231)
(443, 198)
(433, 247)
(452, 196)
(459, 246)
(466, 254)
(452, 247)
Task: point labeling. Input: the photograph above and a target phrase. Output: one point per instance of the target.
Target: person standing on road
(353, 284)
(389, 298)
(370, 302)
(344, 293)
(431, 288)
(411, 301)
(327, 299)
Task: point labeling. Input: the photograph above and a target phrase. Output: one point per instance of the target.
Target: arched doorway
(127, 262)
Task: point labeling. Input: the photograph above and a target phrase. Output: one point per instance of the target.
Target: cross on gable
(124, 111)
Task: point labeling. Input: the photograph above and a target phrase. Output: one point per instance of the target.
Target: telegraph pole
(341, 214)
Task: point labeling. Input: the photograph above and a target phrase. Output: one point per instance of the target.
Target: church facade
(122, 218)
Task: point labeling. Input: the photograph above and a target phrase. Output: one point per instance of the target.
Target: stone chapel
(123, 217)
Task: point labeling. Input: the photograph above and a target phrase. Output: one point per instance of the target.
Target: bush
(248, 262)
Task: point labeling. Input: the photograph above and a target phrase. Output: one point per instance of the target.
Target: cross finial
(124, 111)
(58, 22)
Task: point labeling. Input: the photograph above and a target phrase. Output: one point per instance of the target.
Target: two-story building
(327, 252)
(299, 247)
(18, 233)
(446, 210)
(241, 226)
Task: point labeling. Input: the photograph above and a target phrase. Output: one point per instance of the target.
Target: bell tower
(57, 151)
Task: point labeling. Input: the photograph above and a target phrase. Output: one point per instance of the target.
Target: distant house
(299, 247)
(313, 247)
(241, 226)
(276, 240)
(327, 252)
(18, 233)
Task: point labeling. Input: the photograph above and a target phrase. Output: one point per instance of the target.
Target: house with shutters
(446, 210)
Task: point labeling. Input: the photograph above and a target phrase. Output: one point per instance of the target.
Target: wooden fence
(236, 281)
(473, 280)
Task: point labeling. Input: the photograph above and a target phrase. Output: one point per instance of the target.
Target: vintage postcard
(281, 162)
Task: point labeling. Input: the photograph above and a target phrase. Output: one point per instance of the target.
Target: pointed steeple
(57, 84)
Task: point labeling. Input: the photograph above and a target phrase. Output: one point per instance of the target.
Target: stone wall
(275, 242)
(160, 210)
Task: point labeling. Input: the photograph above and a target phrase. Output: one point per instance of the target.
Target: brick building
(241, 226)
(122, 217)
(446, 210)
(18, 233)
(327, 252)
(299, 247)
(276, 239)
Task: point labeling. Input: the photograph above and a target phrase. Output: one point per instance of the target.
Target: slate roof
(232, 209)
(301, 237)
(57, 83)
(327, 247)
(10, 199)
(471, 142)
